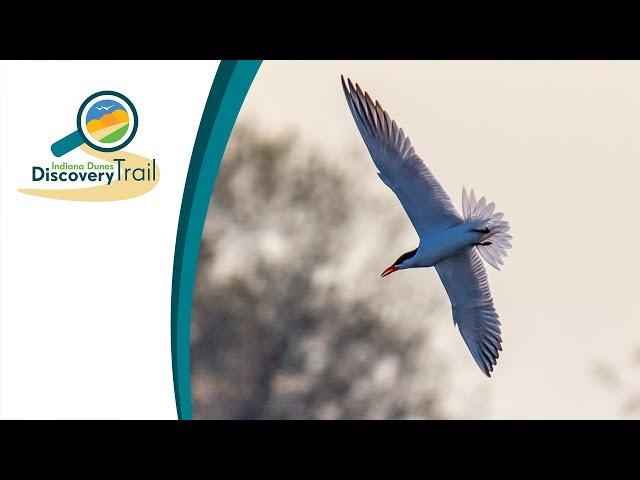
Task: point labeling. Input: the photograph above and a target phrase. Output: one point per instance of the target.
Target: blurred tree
(269, 339)
(622, 381)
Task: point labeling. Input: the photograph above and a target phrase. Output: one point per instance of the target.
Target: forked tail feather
(493, 245)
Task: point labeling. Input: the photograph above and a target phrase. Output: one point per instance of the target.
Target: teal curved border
(230, 86)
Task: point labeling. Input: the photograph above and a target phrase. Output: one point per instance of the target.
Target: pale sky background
(557, 146)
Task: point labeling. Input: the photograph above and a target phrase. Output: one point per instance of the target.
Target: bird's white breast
(438, 246)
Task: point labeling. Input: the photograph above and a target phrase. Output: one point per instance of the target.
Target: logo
(107, 121)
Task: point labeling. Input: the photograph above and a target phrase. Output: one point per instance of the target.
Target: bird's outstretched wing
(465, 281)
(425, 201)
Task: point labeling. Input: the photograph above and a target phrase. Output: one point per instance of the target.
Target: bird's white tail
(493, 246)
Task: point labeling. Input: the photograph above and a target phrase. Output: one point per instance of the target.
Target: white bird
(105, 107)
(450, 242)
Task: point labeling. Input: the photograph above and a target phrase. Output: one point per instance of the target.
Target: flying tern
(450, 242)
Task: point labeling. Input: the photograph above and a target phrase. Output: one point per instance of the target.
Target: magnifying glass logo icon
(107, 121)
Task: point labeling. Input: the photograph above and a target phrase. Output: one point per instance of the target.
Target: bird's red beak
(389, 270)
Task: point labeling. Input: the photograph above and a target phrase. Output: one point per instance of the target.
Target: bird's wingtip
(344, 86)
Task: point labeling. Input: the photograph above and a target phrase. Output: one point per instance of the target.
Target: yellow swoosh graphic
(118, 190)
